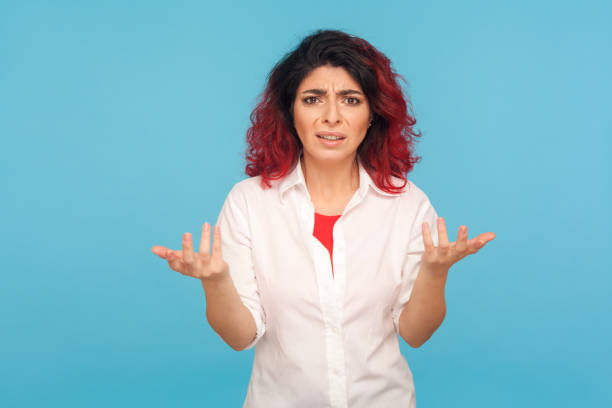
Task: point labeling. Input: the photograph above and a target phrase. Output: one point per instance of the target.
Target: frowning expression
(330, 103)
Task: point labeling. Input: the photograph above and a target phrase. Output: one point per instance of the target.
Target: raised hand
(441, 258)
(202, 265)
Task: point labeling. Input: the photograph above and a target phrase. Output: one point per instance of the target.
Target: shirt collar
(296, 178)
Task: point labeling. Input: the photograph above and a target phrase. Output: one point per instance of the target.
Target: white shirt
(325, 341)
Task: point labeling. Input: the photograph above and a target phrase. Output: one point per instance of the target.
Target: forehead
(329, 77)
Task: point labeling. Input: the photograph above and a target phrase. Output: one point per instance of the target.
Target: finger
(170, 255)
(216, 245)
(205, 241)
(427, 241)
(485, 237)
(476, 243)
(442, 236)
(462, 238)
(161, 251)
(175, 261)
(187, 248)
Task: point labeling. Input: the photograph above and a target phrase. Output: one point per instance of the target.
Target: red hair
(388, 147)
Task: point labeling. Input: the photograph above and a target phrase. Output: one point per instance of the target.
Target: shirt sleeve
(412, 262)
(236, 249)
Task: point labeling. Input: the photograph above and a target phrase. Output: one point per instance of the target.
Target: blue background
(123, 127)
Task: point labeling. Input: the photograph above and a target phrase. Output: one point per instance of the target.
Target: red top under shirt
(323, 231)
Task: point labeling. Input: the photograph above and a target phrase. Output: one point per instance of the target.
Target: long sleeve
(412, 263)
(236, 249)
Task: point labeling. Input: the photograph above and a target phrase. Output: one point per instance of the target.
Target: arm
(233, 306)
(233, 309)
(226, 313)
(425, 310)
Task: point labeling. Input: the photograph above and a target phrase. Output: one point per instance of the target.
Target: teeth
(330, 137)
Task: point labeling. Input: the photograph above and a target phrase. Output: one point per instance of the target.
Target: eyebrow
(324, 92)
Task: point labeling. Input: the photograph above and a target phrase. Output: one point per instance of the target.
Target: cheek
(361, 118)
(302, 119)
(300, 123)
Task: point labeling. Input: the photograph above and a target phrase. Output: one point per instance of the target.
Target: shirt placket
(330, 305)
(338, 285)
(331, 292)
(337, 366)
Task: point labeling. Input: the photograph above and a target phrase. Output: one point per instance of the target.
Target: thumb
(162, 252)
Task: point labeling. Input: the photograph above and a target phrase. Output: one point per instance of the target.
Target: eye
(355, 100)
(309, 100)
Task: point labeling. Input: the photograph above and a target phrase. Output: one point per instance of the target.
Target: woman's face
(329, 101)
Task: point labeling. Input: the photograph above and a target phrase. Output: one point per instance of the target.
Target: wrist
(435, 274)
(216, 281)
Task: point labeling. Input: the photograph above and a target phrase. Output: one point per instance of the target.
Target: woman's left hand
(439, 259)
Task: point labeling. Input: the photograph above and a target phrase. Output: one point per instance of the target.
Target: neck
(330, 179)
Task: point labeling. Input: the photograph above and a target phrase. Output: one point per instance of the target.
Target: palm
(446, 254)
(201, 265)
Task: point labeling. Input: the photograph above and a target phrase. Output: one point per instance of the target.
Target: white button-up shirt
(323, 340)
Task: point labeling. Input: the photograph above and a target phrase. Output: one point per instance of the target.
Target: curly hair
(388, 147)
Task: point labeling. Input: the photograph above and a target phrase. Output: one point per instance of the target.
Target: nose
(331, 114)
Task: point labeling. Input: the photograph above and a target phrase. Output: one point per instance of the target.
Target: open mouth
(331, 138)
(331, 142)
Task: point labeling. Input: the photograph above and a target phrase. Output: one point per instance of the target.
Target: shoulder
(409, 195)
(409, 190)
(413, 191)
(252, 186)
(247, 186)
(250, 191)
(414, 197)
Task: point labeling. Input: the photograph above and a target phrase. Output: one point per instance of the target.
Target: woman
(325, 254)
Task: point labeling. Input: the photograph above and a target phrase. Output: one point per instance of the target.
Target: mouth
(331, 140)
(331, 136)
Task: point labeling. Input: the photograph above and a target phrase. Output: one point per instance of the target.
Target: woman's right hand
(202, 265)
